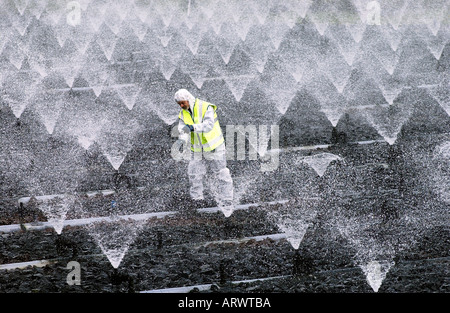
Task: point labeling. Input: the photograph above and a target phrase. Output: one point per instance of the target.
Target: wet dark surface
(169, 253)
(381, 202)
(389, 187)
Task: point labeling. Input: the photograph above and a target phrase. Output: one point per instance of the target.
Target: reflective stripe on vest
(206, 141)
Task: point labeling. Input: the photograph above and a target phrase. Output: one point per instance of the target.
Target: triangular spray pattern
(114, 237)
(320, 162)
(376, 272)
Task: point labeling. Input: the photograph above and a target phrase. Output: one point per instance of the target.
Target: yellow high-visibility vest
(206, 141)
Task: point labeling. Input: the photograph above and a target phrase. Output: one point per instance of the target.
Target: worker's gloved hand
(187, 129)
(180, 142)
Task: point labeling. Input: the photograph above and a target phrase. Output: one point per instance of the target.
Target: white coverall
(214, 161)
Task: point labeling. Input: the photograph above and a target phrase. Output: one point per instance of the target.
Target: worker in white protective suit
(198, 120)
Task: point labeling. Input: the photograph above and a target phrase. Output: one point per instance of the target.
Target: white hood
(183, 95)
